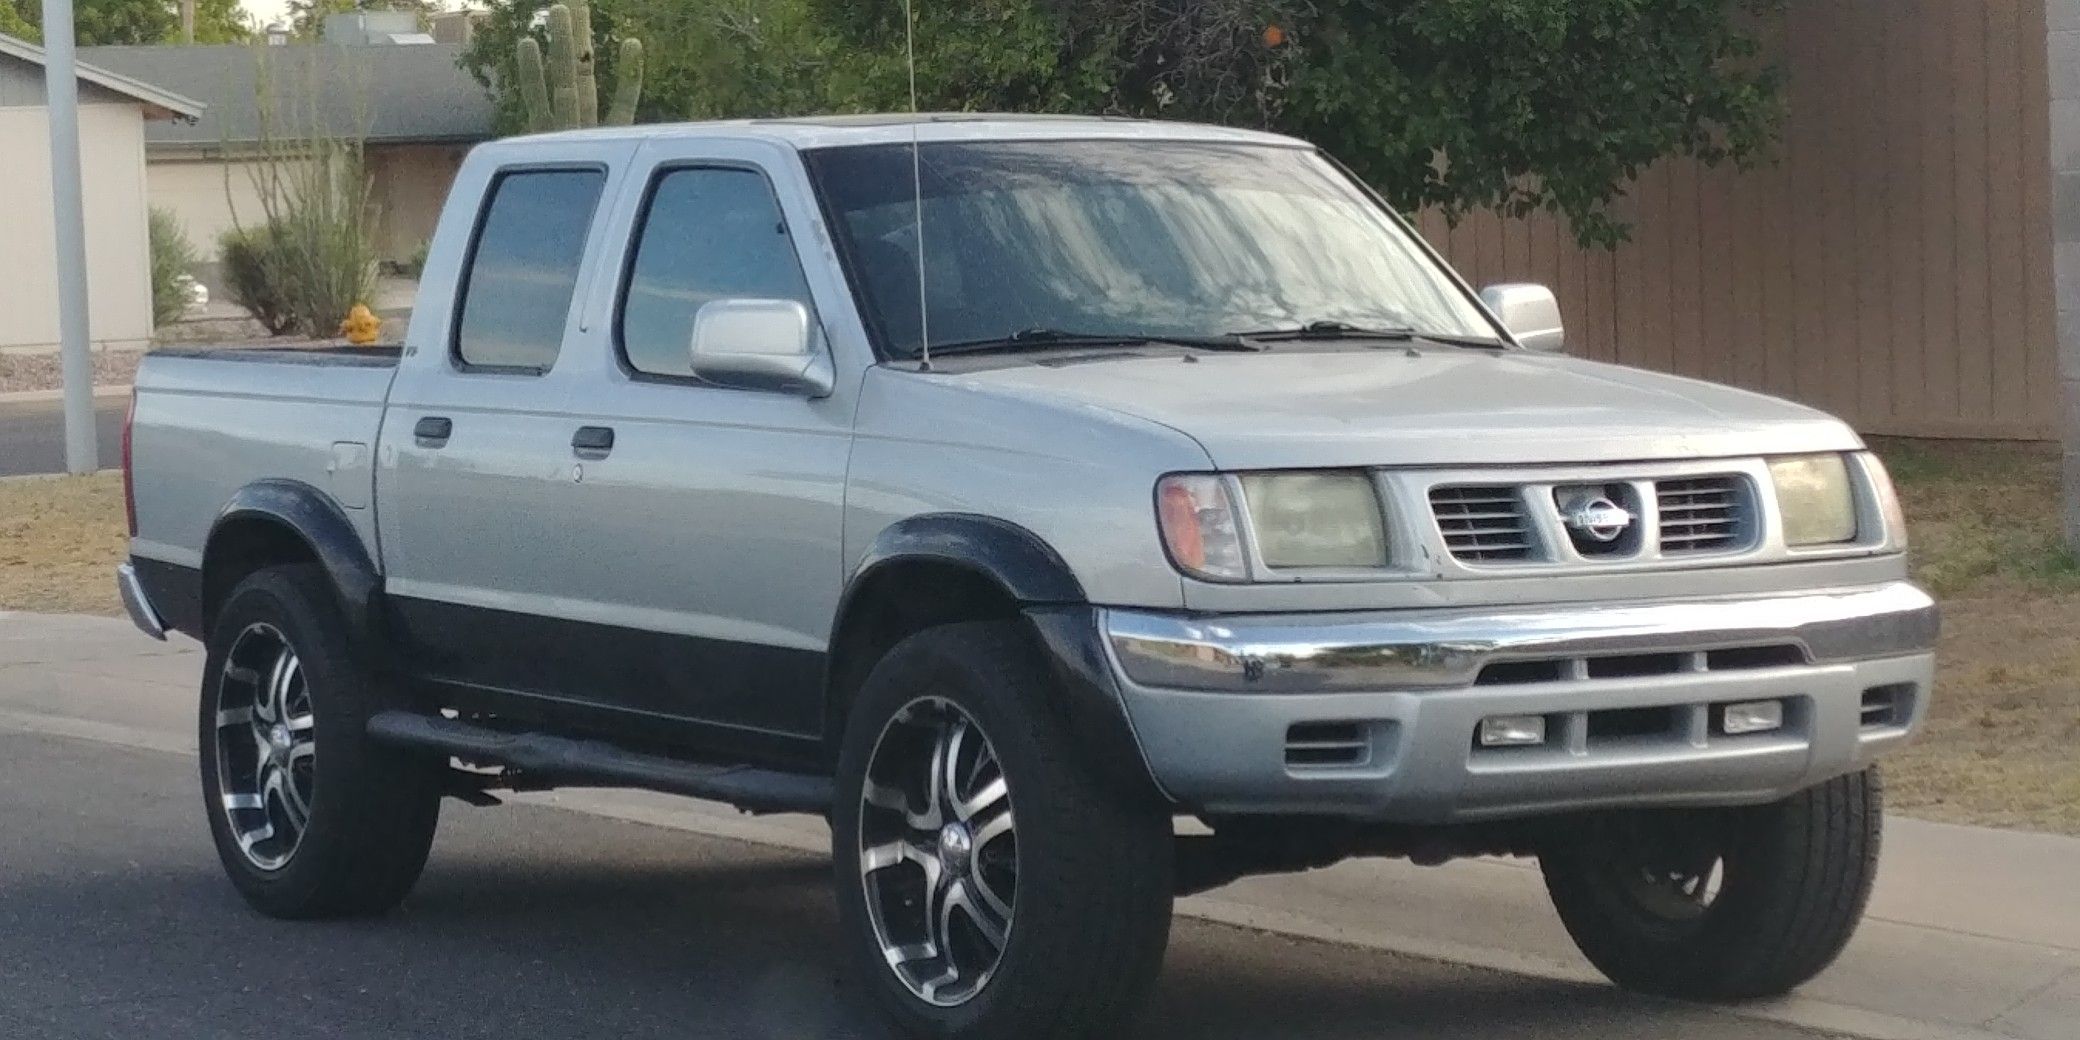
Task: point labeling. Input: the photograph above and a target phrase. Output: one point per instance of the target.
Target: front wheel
(989, 884)
(1721, 904)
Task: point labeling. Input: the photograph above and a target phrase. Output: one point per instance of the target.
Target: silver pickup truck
(1076, 513)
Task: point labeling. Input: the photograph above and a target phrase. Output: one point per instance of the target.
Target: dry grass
(60, 540)
(1999, 748)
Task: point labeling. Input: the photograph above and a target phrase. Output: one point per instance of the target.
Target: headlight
(1199, 527)
(1316, 519)
(1816, 500)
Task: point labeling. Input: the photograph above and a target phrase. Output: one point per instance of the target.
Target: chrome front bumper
(1375, 715)
(137, 603)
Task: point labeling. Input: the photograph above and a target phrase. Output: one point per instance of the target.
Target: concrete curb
(25, 396)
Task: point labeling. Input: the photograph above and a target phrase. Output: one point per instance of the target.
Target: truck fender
(316, 520)
(1045, 597)
(1017, 560)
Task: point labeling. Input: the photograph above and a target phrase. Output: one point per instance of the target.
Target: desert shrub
(172, 255)
(313, 257)
(246, 258)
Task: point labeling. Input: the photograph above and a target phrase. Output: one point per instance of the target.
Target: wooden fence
(1891, 265)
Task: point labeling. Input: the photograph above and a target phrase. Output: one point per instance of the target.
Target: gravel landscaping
(41, 371)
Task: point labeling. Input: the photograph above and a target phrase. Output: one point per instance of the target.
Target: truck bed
(210, 420)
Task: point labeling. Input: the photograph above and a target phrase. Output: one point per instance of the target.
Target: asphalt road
(542, 923)
(32, 435)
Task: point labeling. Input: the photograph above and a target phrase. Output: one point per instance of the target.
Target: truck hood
(1450, 406)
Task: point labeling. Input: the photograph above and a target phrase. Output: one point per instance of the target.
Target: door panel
(654, 556)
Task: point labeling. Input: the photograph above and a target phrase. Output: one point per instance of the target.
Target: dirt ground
(2000, 747)
(60, 539)
(2002, 732)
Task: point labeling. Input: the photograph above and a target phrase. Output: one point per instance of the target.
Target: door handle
(433, 430)
(593, 441)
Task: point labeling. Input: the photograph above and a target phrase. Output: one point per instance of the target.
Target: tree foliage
(99, 22)
(220, 21)
(1519, 105)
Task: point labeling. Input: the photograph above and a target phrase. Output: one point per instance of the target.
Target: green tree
(98, 22)
(13, 24)
(1519, 105)
(219, 21)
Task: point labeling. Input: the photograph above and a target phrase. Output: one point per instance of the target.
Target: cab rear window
(523, 268)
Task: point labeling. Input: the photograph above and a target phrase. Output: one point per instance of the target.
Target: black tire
(1098, 861)
(369, 814)
(1795, 877)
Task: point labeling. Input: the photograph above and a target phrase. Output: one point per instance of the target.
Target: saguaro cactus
(562, 92)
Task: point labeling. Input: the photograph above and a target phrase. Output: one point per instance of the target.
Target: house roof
(394, 94)
(159, 104)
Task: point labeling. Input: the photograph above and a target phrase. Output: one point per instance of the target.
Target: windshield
(1127, 238)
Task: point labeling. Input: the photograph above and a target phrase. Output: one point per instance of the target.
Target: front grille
(1482, 524)
(1527, 671)
(1703, 514)
(1327, 745)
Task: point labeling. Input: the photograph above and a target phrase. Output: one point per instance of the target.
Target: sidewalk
(1973, 933)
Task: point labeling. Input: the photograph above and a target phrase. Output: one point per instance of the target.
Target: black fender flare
(1058, 616)
(1017, 560)
(319, 521)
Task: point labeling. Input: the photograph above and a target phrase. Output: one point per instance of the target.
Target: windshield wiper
(1052, 338)
(1328, 330)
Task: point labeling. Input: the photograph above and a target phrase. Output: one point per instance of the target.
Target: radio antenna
(924, 316)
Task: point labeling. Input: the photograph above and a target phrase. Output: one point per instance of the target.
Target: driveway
(608, 913)
(32, 435)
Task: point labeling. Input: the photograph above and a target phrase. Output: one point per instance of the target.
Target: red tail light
(129, 486)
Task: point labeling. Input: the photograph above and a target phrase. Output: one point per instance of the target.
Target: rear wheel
(309, 818)
(1721, 904)
(990, 885)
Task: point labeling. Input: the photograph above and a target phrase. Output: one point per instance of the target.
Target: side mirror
(759, 345)
(1530, 313)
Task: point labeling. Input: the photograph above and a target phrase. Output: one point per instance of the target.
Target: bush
(313, 257)
(172, 255)
(246, 256)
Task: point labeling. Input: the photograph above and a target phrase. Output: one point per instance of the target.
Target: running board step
(581, 761)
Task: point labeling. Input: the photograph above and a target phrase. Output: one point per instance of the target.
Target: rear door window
(523, 268)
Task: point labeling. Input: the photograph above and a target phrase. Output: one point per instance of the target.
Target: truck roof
(897, 128)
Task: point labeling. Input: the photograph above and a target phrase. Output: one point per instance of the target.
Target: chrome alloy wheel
(938, 853)
(266, 736)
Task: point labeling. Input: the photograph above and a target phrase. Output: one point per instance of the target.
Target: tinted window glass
(709, 234)
(517, 291)
(1123, 238)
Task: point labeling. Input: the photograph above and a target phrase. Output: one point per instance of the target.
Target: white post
(61, 88)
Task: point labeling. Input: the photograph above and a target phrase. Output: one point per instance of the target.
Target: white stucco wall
(205, 194)
(407, 185)
(119, 293)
